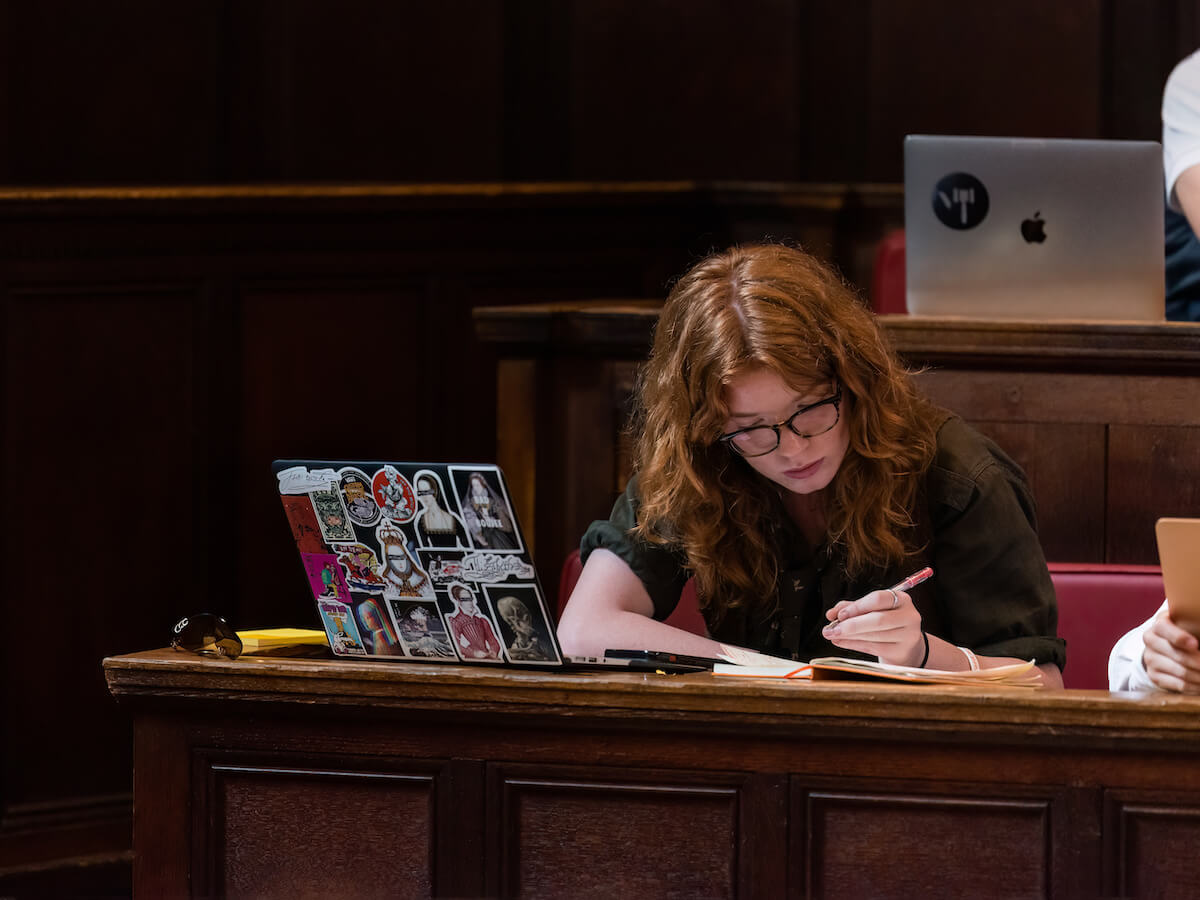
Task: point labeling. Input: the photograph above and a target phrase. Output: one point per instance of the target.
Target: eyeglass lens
(806, 423)
(208, 635)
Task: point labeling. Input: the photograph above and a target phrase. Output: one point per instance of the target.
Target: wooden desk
(1103, 416)
(334, 778)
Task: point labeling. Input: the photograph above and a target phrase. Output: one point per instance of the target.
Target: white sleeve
(1125, 669)
(1181, 123)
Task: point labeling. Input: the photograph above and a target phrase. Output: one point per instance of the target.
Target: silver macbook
(1034, 229)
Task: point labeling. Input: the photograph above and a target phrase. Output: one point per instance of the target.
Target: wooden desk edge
(626, 325)
(168, 673)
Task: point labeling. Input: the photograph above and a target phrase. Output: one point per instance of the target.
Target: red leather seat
(686, 615)
(1097, 603)
(888, 287)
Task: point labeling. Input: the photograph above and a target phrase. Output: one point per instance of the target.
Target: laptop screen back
(1034, 229)
(417, 562)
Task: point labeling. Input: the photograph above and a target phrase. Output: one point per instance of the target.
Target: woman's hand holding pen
(884, 624)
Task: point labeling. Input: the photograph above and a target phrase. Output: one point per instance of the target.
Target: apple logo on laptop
(960, 201)
(1034, 230)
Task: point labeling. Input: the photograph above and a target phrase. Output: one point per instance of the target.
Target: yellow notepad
(272, 638)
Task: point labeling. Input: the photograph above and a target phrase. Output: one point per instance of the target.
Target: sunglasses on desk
(207, 634)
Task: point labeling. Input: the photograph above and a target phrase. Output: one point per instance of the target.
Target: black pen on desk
(913, 580)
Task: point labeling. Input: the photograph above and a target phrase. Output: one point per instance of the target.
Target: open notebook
(1022, 674)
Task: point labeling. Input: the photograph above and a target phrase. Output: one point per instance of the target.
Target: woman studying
(785, 461)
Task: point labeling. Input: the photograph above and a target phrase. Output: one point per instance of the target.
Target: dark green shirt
(990, 592)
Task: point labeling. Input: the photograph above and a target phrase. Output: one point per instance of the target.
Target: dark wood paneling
(1159, 466)
(1063, 463)
(651, 91)
(387, 90)
(262, 819)
(552, 821)
(1137, 53)
(334, 372)
(528, 89)
(163, 758)
(537, 107)
(942, 67)
(834, 91)
(98, 388)
(126, 92)
(854, 845)
(1105, 454)
(1148, 837)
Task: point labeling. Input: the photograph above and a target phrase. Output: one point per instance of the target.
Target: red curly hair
(779, 308)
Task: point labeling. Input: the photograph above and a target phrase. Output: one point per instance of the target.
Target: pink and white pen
(913, 580)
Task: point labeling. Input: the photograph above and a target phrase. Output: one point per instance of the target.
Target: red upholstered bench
(888, 286)
(1097, 603)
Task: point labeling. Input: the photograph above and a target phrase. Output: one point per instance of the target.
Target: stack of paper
(830, 667)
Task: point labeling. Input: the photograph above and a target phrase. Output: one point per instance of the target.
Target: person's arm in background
(1125, 669)
(1156, 654)
(1187, 195)
(1181, 139)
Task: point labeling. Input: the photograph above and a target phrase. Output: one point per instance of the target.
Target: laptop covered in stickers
(417, 562)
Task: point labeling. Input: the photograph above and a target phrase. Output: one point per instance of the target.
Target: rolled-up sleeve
(1181, 124)
(659, 567)
(1126, 669)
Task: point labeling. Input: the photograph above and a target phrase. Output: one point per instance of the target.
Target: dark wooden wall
(199, 91)
(160, 346)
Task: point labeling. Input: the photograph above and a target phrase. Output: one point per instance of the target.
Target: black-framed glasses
(207, 634)
(806, 422)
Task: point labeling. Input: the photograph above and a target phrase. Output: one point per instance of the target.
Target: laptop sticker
(356, 492)
(344, 638)
(331, 513)
(493, 567)
(377, 629)
(435, 524)
(443, 566)
(524, 625)
(420, 627)
(360, 565)
(395, 495)
(303, 519)
(398, 568)
(485, 510)
(474, 633)
(325, 577)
